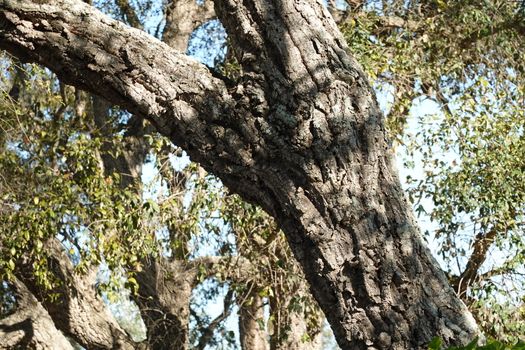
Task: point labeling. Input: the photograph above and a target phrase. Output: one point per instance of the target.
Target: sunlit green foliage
(53, 184)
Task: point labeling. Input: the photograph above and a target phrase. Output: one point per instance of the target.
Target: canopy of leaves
(53, 182)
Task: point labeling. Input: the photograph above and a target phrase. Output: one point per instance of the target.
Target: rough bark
(301, 135)
(164, 302)
(30, 326)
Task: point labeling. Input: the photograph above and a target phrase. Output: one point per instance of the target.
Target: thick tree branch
(30, 327)
(79, 312)
(126, 66)
(251, 315)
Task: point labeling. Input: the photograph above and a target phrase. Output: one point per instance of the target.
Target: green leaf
(435, 344)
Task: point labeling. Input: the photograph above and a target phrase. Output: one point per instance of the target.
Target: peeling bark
(301, 135)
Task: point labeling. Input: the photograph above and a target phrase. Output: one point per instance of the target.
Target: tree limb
(30, 327)
(481, 246)
(129, 13)
(79, 312)
(125, 65)
(182, 18)
(207, 332)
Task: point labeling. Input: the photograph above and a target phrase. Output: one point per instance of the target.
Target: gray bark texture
(182, 18)
(300, 134)
(164, 302)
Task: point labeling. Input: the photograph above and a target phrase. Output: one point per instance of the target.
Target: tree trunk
(164, 302)
(301, 135)
(165, 288)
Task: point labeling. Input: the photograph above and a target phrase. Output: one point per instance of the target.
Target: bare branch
(129, 13)
(479, 254)
(207, 332)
